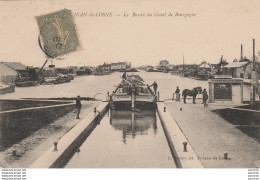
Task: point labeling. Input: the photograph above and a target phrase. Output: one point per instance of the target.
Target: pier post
(226, 156)
(55, 146)
(185, 146)
(133, 101)
(164, 109)
(14, 153)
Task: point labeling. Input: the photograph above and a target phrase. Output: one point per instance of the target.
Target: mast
(241, 52)
(220, 65)
(183, 68)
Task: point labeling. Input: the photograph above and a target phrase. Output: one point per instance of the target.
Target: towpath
(211, 136)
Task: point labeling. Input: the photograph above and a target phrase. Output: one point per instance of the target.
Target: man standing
(177, 92)
(205, 97)
(155, 86)
(78, 106)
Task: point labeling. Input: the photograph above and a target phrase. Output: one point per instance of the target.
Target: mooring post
(185, 146)
(55, 146)
(173, 96)
(133, 101)
(14, 153)
(164, 109)
(180, 109)
(226, 156)
(95, 110)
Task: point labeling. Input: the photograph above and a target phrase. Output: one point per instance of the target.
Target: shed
(226, 90)
(7, 74)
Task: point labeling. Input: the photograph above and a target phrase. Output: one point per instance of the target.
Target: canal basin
(89, 86)
(125, 139)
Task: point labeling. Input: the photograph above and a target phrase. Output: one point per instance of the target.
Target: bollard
(164, 109)
(185, 146)
(225, 155)
(55, 146)
(14, 153)
(95, 110)
(180, 109)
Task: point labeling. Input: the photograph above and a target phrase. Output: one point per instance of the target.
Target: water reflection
(133, 123)
(125, 139)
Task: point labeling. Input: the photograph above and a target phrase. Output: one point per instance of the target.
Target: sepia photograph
(129, 84)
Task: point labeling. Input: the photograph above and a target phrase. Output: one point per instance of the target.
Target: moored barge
(133, 94)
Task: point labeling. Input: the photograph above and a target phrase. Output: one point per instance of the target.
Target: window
(222, 91)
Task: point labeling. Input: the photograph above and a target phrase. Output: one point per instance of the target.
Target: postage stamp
(58, 33)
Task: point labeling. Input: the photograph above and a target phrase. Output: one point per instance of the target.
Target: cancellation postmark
(58, 33)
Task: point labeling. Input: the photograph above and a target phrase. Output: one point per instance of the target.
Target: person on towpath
(78, 106)
(177, 92)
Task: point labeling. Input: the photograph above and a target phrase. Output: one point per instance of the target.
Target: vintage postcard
(129, 84)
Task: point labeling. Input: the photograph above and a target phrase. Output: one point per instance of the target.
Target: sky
(219, 27)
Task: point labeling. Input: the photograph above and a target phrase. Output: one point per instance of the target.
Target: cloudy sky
(218, 28)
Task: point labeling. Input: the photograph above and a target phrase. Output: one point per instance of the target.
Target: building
(106, 68)
(24, 73)
(226, 91)
(241, 69)
(103, 69)
(120, 66)
(164, 64)
(7, 74)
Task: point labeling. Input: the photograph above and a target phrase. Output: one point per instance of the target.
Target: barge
(133, 93)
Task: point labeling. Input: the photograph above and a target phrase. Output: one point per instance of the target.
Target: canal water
(89, 86)
(125, 139)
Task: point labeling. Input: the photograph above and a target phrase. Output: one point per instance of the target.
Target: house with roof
(163, 65)
(7, 74)
(24, 73)
(239, 69)
(19, 68)
(119, 66)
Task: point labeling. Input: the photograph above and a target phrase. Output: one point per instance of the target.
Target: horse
(194, 92)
